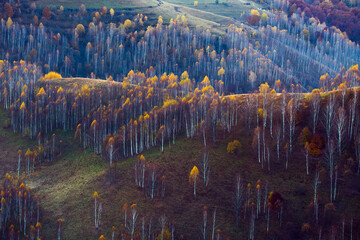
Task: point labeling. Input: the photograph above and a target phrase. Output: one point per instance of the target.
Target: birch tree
(306, 150)
(213, 225)
(316, 200)
(204, 226)
(162, 222)
(329, 115)
(340, 125)
(97, 209)
(110, 150)
(352, 115)
(283, 111)
(248, 110)
(153, 180)
(161, 135)
(258, 199)
(132, 220)
(277, 131)
(203, 130)
(238, 198)
(330, 159)
(343, 89)
(291, 110)
(204, 168)
(125, 212)
(19, 155)
(59, 225)
(139, 170)
(315, 103)
(257, 142)
(193, 178)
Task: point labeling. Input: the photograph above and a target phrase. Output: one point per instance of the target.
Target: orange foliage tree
(8, 10)
(46, 13)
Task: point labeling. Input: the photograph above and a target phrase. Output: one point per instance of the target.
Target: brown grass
(70, 82)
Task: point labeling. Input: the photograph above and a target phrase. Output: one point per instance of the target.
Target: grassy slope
(9, 144)
(68, 83)
(66, 187)
(208, 15)
(229, 8)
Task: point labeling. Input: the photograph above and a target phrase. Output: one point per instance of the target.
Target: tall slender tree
(193, 178)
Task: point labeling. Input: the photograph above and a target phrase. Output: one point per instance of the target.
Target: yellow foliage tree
(221, 72)
(22, 107)
(41, 92)
(264, 17)
(184, 75)
(9, 23)
(165, 236)
(306, 33)
(52, 75)
(206, 81)
(80, 29)
(193, 177)
(254, 12)
(264, 88)
(127, 23)
(233, 147)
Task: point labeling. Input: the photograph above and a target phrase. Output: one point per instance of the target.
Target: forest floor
(9, 145)
(67, 184)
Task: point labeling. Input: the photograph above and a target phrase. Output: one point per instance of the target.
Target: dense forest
(280, 48)
(271, 107)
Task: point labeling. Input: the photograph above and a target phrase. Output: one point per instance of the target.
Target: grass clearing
(230, 8)
(68, 83)
(66, 187)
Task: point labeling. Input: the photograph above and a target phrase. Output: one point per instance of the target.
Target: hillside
(207, 14)
(66, 185)
(179, 119)
(67, 83)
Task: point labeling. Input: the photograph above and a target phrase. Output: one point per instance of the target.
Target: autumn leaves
(193, 178)
(19, 210)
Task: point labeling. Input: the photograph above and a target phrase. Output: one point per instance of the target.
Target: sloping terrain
(66, 187)
(67, 184)
(216, 17)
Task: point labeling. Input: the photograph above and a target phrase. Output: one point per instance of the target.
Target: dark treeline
(344, 15)
(333, 13)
